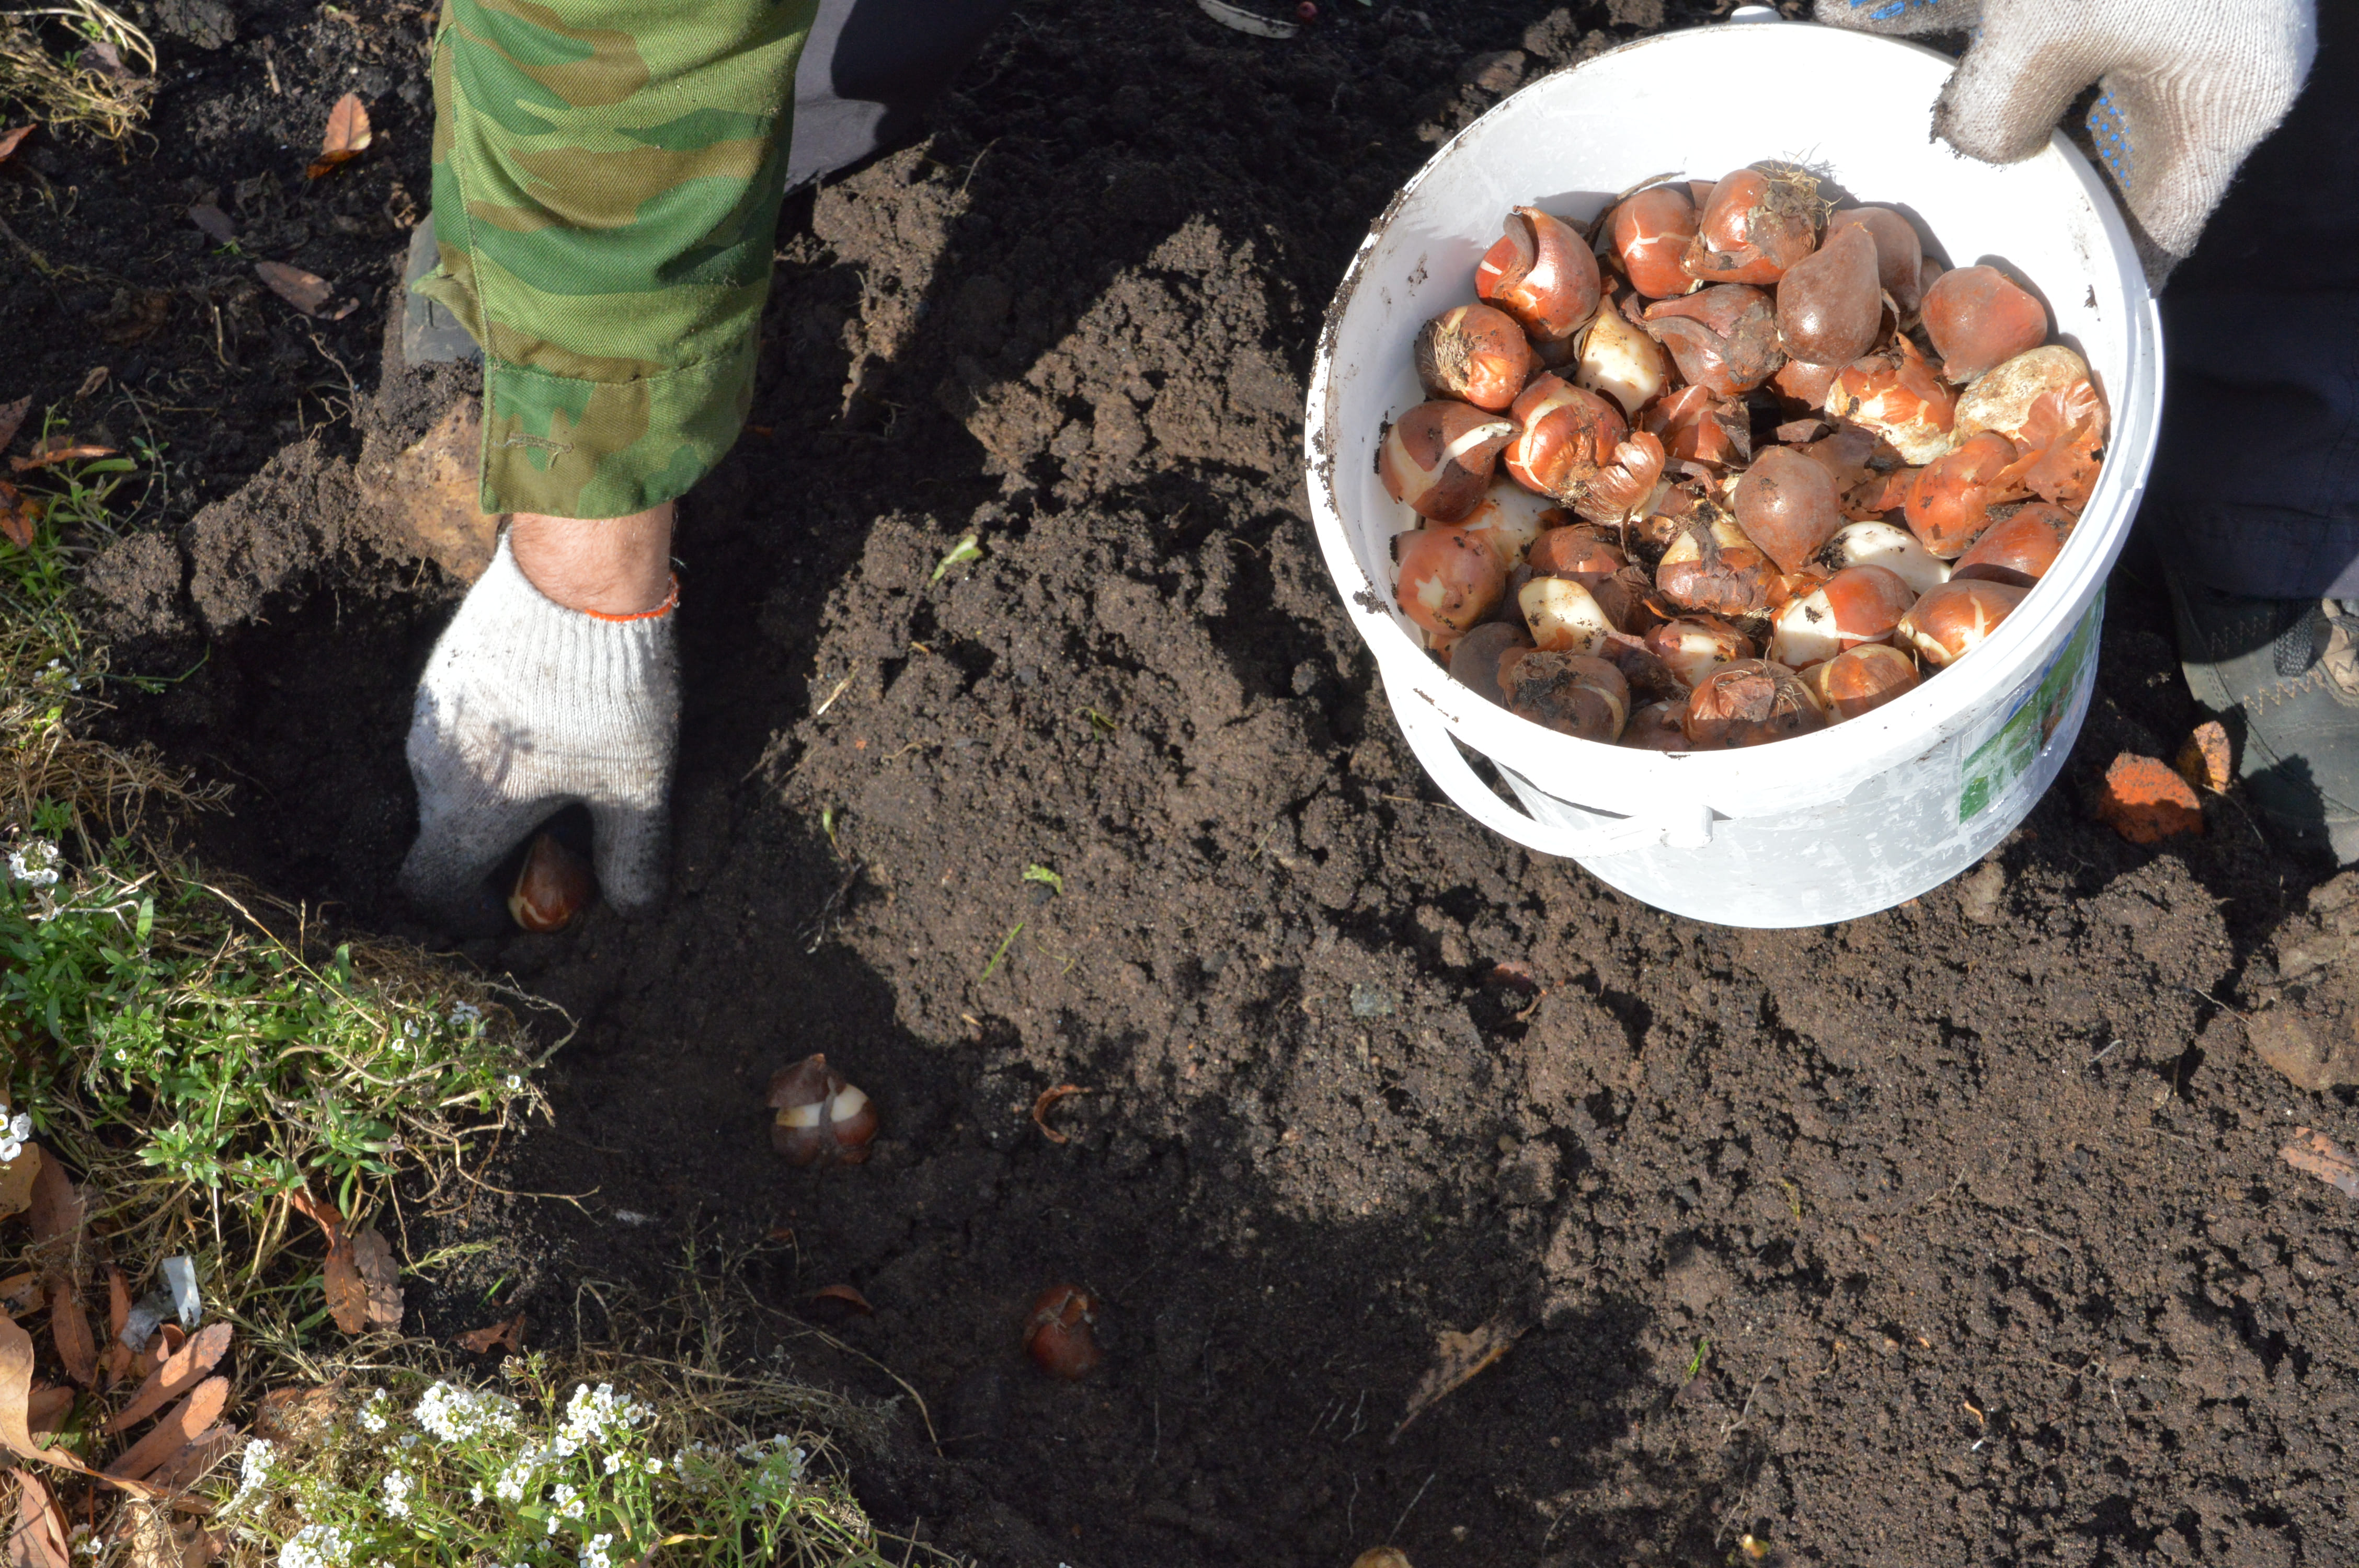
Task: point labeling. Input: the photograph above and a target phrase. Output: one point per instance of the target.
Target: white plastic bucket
(1867, 813)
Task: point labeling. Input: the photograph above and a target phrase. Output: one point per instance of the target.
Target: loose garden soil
(1956, 1234)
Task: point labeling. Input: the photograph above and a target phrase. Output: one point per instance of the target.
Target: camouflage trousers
(607, 176)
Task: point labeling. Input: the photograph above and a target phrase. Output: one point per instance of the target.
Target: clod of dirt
(1980, 892)
(2303, 1004)
(428, 493)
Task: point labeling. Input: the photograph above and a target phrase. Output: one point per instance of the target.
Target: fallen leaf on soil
(19, 515)
(183, 1370)
(2206, 760)
(15, 1400)
(22, 1292)
(348, 135)
(39, 1539)
(374, 1255)
(178, 1472)
(17, 1178)
(1246, 21)
(136, 314)
(1457, 1357)
(510, 1334)
(118, 1312)
(10, 142)
(2318, 1155)
(59, 1210)
(1041, 1111)
(348, 1293)
(175, 1432)
(307, 291)
(215, 222)
(12, 418)
(326, 1215)
(297, 1415)
(45, 1410)
(2146, 802)
(162, 1345)
(59, 449)
(69, 1331)
(847, 1295)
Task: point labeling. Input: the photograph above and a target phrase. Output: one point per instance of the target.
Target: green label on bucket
(2003, 758)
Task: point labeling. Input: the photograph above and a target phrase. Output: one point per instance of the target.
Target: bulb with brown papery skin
(1541, 273)
(1693, 645)
(1723, 338)
(1062, 1334)
(1887, 544)
(1957, 618)
(552, 887)
(1979, 318)
(1649, 233)
(1805, 382)
(1657, 726)
(1830, 304)
(1474, 658)
(1758, 223)
(1899, 252)
(1710, 566)
(1618, 358)
(2018, 550)
(1564, 616)
(1858, 604)
(1564, 435)
(1438, 457)
(1475, 354)
(2003, 398)
(1863, 679)
(1625, 484)
(1750, 703)
(1449, 578)
(821, 1119)
(1949, 504)
(1651, 680)
(1701, 426)
(1576, 552)
(1895, 395)
(1510, 518)
(1573, 694)
(2044, 401)
(1788, 506)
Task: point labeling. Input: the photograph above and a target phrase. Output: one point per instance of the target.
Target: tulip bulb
(1564, 435)
(1510, 518)
(1950, 501)
(1701, 426)
(1625, 485)
(1723, 338)
(821, 1119)
(1649, 233)
(1475, 354)
(1889, 545)
(1750, 703)
(1577, 553)
(1863, 679)
(1061, 1334)
(1449, 578)
(1978, 317)
(1895, 395)
(1438, 457)
(1573, 694)
(1788, 505)
(1692, 646)
(1563, 616)
(1830, 304)
(1805, 382)
(1710, 566)
(2019, 550)
(1474, 658)
(1899, 252)
(552, 886)
(1541, 273)
(1657, 726)
(1621, 360)
(1858, 604)
(1758, 223)
(1957, 618)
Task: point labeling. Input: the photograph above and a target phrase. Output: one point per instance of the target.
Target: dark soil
(1957, 1234)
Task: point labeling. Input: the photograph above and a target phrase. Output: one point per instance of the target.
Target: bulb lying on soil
(1061, 1334)
(552, 887)
(821, 1119)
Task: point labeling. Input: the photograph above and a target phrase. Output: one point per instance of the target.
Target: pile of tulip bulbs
(1735, 465)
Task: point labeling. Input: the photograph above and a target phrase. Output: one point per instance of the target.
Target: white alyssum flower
(614, 1463)
(456, 1414)
(465, 1013)
(14, 1131)
(594, 1554)
(372, 1412)
(254, 1469)
(316, 1546)
(515, 1083)
(398, 1487)
(34, 862)
(590, 1414)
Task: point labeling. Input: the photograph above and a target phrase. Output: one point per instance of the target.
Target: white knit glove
(2188, 88)
(526, 707)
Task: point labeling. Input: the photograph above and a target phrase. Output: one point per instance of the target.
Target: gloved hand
(2188, 87)
(526, 707)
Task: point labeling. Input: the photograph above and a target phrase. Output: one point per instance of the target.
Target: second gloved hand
(526, 707)
(2187, 89)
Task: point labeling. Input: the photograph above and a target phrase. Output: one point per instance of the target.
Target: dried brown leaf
(847, 1295)
(215, 222)
(326, 1215)
(15, 1400)
(16, 521)
(10, 142)
(491, 1335)
(16, 1177)
(59, 1210)
(1040, 1109)
(45, 1410)
(184, 1370)
(178, 1428)
(1457, 1357)
(69, 1331)
(59, 449)
(12, 418)
(21, 1293)
(2318, 1155)
(297, 1415)
(348, 1293)
(374, 1255)
(38, 1539)
(118, 1301)
(347, 138)
(183, 1469)
(306, 291)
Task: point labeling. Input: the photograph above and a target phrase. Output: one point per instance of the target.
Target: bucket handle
(1685, 825)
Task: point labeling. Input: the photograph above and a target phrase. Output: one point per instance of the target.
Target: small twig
(1395, 1535)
